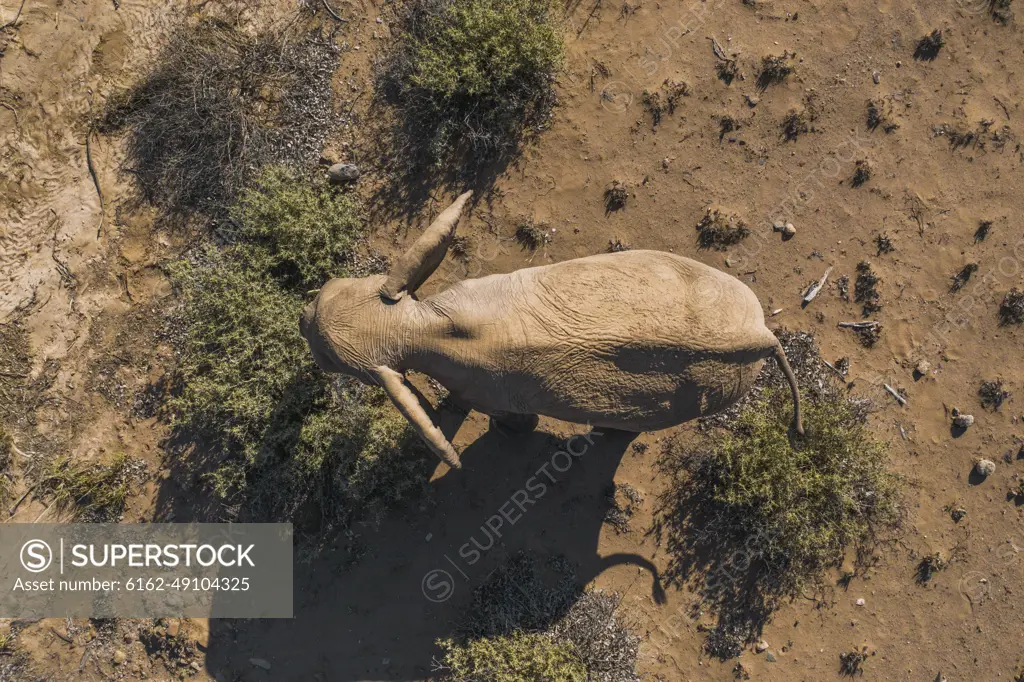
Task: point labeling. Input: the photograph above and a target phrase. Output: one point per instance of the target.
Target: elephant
(634, 340)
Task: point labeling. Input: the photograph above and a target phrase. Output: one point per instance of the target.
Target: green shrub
(803, 506)
(758, 518)
(296, 228)
(287, 437)
(473, 75)
(519, 657)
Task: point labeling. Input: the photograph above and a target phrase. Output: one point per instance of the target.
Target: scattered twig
(62, 636)
(816, 289)
(95, 177)
(14, 21)
(333, 13)
(14, 111)
(1005, 110)
(12, 510)
(833, 367)
(859, 325)
(892, 391)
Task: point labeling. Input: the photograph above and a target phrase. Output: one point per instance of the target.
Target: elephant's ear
(426, 254)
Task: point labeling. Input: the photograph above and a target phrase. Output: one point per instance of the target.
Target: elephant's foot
(517, 423)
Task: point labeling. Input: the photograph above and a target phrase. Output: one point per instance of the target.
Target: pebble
(779, 226)
(120, 657)
(877, 77)
(753, 101)
(788, 231)
(761, 646)
(664, 163)
(343, 172)
(985, 467)
(260, 663)
(861, 602)
(923, 368)
(962, 421)
(770, 657)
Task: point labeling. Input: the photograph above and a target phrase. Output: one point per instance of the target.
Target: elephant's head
(356, 325)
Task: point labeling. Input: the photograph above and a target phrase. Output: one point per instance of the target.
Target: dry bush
(531, 621)
(217, 105)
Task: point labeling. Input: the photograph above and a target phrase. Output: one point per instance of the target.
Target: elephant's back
(644, 299)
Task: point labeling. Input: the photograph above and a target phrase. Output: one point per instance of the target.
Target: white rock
(761, 646)
(963, 420)
(985, 467)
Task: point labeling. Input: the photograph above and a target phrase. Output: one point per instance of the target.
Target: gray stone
(985, 467)
(341, 173)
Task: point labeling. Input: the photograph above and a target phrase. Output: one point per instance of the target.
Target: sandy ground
(89, 293)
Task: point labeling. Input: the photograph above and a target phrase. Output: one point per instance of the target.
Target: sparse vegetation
(91, 492)
(852, 662)
(791, 509)
(1011, 310)
(961, 278)
(884, 244)
(795, 124)
(531, 621)
(218, 104)
(984, 227)
(718, 231)
(862, 173)
(728, 71)
(929, 566)
(665, 100)
(531, 236)
(470, 81)
(774, 69)
(929, 46)
(1001, 10)
(622, 501)
(617, 245)
(615, 197)
(879, 115)
(865, 289)
(992, 394)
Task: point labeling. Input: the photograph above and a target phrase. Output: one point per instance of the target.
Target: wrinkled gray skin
(637, 340)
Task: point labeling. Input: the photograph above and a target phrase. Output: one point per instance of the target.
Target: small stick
(832, 367)
(858, 325)
(12, 510)
(892, 391)
(14, 21)
(13, 111)
(95, 178)
(816, 289)
(64, 637)
(333, 13)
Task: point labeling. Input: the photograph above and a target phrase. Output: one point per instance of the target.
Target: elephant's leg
(517, 423)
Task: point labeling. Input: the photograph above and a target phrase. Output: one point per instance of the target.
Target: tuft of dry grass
(719, 231)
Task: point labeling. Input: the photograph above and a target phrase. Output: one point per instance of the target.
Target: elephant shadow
(379, 619)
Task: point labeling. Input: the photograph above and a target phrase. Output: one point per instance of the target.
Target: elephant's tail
(780, 357)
